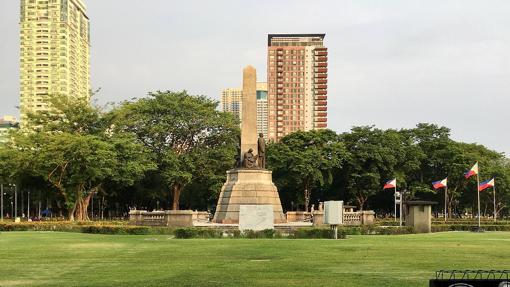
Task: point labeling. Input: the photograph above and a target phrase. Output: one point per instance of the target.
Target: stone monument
(250, 183)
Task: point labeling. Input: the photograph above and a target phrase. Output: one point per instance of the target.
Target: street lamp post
(2, 202)
(28, 204)
(15, 201)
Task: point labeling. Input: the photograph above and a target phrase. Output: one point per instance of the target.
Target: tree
(74, 149)
(307, 159)
(185, 133)
(376, 156)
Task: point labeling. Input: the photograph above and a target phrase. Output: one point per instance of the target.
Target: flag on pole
(440, 183)
(486, 184)
(392, 183)
(472, 171)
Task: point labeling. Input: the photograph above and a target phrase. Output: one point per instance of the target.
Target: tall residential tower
(297, 83)
(55, 40)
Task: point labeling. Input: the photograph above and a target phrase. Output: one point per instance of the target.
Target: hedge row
(454, 221)
(300, 233)
(193, 232)
(469, 227)
(82, 227)
(471, 222)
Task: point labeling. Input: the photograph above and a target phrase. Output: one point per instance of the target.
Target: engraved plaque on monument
(256, 217)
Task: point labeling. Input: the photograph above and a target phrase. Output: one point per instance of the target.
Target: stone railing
(155, 218)
(179, 218)
(350, 218)
(359, 217)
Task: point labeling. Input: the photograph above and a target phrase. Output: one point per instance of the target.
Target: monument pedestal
(247, 187)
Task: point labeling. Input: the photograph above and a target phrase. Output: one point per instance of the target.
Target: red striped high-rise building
(297, 78)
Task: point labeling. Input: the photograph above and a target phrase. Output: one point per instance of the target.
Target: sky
(392, 63)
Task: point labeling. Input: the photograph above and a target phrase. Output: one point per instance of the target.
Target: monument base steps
(247, 187)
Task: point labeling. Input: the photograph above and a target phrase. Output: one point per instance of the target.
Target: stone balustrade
(185, 218)
(359, 217)
(178, 218)
(350, 218)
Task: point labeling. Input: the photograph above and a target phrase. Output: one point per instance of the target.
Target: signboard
(333, 212)
(256, 217)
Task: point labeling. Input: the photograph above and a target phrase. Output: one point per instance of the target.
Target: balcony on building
(321, 64)
(321, 53)
(321, 81)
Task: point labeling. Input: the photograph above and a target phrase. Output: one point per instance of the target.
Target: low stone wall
(187, 218)
(298, 216)
(176, 218)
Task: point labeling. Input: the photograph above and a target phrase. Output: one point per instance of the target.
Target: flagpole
(494, 200)
(395, 203)
(478, 193)
(400, 205)
(445, 200)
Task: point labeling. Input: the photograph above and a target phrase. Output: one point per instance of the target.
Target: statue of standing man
(261, 151)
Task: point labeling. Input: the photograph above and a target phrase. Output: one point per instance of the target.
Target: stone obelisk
(249, 135)
(248, 186)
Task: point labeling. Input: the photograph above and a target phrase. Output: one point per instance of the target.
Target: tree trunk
(176, 194)
(71, 212)
(361, 201)
(78, 213)
(83, 208)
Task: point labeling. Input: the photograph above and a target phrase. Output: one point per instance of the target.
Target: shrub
(104, 229)
(308, 233)
(266, 233)
(192, 232)
(85, 227)
(469, 227)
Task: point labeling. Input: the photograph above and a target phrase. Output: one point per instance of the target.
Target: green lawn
(76, 259)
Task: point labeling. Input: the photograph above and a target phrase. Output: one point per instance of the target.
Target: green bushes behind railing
(468, 227)
(193, 232)
(90, 227)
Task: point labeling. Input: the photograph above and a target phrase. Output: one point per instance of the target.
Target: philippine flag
(486, 184)
(390, 184)
(472, 171)
(440, 183)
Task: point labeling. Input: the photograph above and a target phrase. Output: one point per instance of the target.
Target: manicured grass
(76, 259)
